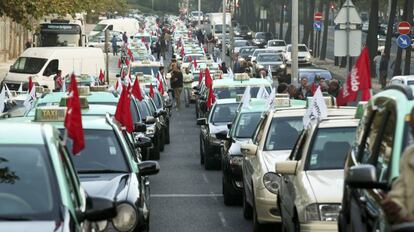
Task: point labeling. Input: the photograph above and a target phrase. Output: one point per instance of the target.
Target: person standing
(125, 38)
(177, 85)
(377, 61)
(58, 81)
(188, 80)
(223, 67)
(303, 91)
(114, 45)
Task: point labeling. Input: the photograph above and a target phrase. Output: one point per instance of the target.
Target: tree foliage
(24, 11)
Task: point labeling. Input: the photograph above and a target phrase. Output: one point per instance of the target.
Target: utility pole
(348, 31)
(199, 18)
(223, 40)
(295, 42)
(107, 56)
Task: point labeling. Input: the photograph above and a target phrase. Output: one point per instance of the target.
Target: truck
(216, 21)
(61, 31)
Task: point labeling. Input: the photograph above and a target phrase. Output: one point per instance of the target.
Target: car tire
(228, 199)
(162, 141)
(247, 208)
(201, 151)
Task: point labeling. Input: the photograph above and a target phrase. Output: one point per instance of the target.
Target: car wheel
(247, 208)
(227, 197)
(201, 151)
(162, 141)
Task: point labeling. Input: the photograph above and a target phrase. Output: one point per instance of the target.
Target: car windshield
(283, 133)
(247, 124)
(269, 58)
(277, 43)
(143, 109)
(27, 183)
(219, 28)
(257, 52)
(28, 65)
(241, 43)
(330, 148)
(311, 74)
(246, 51)
(224, 113)
(232, 92)
(158, 101)
(301, 48)
(102, 153)
(146, 70)
(99, 27)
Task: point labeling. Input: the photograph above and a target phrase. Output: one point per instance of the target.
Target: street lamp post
(223, 40)
(295, 41)
(199, 9)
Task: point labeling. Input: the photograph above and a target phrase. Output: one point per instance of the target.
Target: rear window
(329, 148)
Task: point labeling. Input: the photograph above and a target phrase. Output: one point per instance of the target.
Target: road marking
(222, 219)
(214, 195)
(205, 178)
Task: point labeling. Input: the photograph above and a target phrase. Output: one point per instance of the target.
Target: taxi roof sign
(98, 88)
(50, 114)
(84, 90)
(241, 77)
(282, 100)
(83, 102)
(329, 101)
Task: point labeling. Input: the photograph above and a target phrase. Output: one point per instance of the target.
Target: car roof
(229, 82)
(338, 122)
(226, 101)
(21, 133)
(93, 97)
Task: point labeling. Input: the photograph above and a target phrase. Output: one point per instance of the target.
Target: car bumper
(266, 206)
(319, 226)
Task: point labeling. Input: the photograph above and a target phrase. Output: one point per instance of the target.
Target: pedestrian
(188, 81)
(125, 38)
(223, 67)
(293, 93)
(114, 45)
(163, 46)
(304, 90)
(333, 88)
(177, 85)
(383, 69)
(282, 88)
(237, 64)
(398, 204)
(377, 61)
(58, 81)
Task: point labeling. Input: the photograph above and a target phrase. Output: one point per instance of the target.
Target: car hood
(271, 157)
(235, 146)
(218, 127)
(32, 226)
(270, 63)
(104, 185)
(326, 185)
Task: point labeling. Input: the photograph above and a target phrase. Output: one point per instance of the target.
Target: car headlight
(271, 182)
(126, 217)
(308, 56)
(249, 33)
(282, 66)
(322, 212)
(260, 66)
(150, 131)
(236, 160)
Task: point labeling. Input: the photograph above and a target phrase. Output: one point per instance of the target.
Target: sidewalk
(340, 73)
(4, 68)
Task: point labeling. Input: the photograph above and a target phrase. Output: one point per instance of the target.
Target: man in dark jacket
(177, 85)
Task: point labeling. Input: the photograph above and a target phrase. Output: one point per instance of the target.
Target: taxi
(309, 197)
(143, 67)
(34, 158)
(382, 135)
(108, 167)
(242, 128)
(216, 122)
(272, 142)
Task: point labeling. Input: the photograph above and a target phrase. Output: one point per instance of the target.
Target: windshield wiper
(101, 171)
(14, 218)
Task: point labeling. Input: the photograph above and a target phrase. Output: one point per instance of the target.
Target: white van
(41, 63)
(128, 25)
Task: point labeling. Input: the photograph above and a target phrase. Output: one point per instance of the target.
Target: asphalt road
(184, 196)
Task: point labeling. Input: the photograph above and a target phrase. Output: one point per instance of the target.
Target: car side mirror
(140, 127)
(222, 135)
(229, 126)
(155, 115)
(162, 112)
(202, 121)
(248, 149)
(364, 176)
(143, 142)
(98, 209)
(148, 168)
(149, 120)
(286, 167)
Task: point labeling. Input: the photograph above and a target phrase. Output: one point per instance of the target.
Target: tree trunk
(289, 20)
(325, 30)
(391, 19)
(311, 33)
(282, 18)
(305, 20)
(407, 64)
(372, 40)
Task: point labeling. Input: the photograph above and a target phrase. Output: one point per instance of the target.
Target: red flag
(195, 63)
(359, 79)
(190, 59)
(131, 56)
(151, 91)
(136, 90)
(30, 84)
(101, 76)
(209, 80)
(182, 52)
(119, 63)
(161, 85)
(127, 62)
(313, 88)
(211, 98)
(200, 78)
(143, 39)
(123, 110)
(205, 50)
(73, 118)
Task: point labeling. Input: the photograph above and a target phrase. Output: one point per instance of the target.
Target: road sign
(317, 16)
(317, 26)
(404, 41)
(404, 28)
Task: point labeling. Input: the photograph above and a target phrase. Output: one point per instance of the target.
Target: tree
(372, 40)
(387, 50)
(325, 30)
(288, 34)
